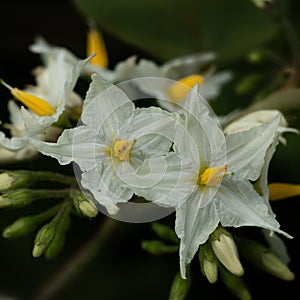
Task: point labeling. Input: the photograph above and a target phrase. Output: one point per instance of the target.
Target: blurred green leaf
(171, 28)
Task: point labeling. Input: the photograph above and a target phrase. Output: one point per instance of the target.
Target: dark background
(121, 270)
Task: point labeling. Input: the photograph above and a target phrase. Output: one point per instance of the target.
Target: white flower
(122, 71)
(113, 140)
(257, 118)
(47, 101)
(205, 188)
(188, 71)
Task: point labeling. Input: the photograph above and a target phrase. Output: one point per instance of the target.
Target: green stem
(78, 262)
(54, 177)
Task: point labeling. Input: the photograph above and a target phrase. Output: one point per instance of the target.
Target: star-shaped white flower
(186, 71)
(205, 186)
(47, 101)
(113, 139)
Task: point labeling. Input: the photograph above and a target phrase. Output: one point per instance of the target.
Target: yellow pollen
(179, 90)
(121, 149)
(39, 106)
(280, 191)
(95, 43)
(212, 176)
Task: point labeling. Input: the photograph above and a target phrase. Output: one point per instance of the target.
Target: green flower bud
(235, 284)
(21, 227)
(165, 232)
(24, 197)
(55, 245)
(43, 238)
(157, 247)
(264, 259)
(28, 224)
(180, 288)
(18, 198)
(226, 251)
(83, 206)
(208, 263)
(10, 180)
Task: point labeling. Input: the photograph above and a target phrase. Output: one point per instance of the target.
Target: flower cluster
(176, 155)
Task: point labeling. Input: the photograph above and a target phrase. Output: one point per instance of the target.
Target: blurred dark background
(121, 270)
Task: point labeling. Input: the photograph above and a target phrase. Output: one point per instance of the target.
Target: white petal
(14, 143)
(246, 150)
(101, 182)
(108, 110)
(183, 66)
(240, 205)
(163, 180)
(152, 129)
(203, 131)
(193, 226)
(79, 145)
(212, 86)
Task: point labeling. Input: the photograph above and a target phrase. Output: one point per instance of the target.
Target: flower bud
(43, 238)
(10, 180)
(83, 206)
(157, 247)
(19, 198)
(235, 284)
(55, 245)
(180, 288)
(225, 249)
(266, 260)
(165, 232)
(21, 227)
(208, 263)
(28, 224)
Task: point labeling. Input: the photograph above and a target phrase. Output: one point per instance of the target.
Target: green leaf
(169, 28)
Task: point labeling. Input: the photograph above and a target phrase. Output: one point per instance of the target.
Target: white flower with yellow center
(47, 101)
(187, 71)
(204, 186)
(113, 139)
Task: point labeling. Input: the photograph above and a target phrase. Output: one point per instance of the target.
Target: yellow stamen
(179, 90)
(95, 43)
(121, 149)
(280, 191)
(212, 176)
(37, 105)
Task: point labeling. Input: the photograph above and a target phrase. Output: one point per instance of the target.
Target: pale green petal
(262, 182)
(186, 65)
(79, 145)
(15, 115)
(193, 226)
(277, 245)
(240, 205)
(101, 182)
(246, 150)
(14, 143)
(147, 68)
(212, 86)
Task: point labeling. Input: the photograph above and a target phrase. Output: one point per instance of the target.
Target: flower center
(39, 106)
(95, 43)
(212, 176)
(121, 149)
(179, 90)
